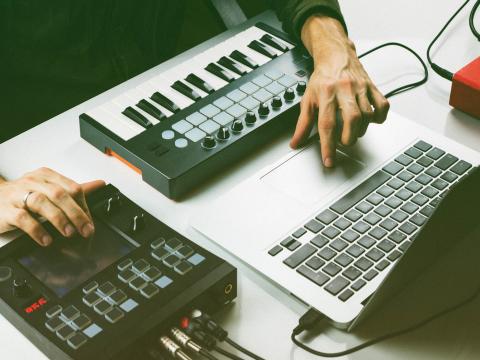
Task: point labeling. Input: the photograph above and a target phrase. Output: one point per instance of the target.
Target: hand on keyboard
(338, 81)
(46, 193)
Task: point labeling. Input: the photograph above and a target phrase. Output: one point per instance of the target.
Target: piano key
(274, 42)
(199, 83)
(165, 102)
(220, 72)
(243, 59)
(262, 49)
(256, 56)
(163, 82)
(151, 109)
(233, 65)
(115, 123)
(136, 116)
(198, 63)
(179, 73)
(128, 100)
(186, 90)
(137, 94)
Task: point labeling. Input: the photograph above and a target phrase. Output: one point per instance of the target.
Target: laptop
(345, 239)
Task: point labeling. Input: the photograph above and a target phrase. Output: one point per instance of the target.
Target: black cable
(313, 316)
(406, 87)
(439, 70)
(472, 20)
(227, 354)
(242, 349)
(207, 355)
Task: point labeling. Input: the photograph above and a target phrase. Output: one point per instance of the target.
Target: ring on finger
(25, 199)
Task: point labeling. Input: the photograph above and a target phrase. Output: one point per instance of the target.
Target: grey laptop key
(420, 199)
(405, 176)
(375, 254)
(350, 235)
(363, 264)
(404, 194)
(300, 255)
(423, 146)
(370, 275)
(461, 167)
(318, 278)
(345, 295)
(299, 233)
(424, 179)
(337, 285)
(294, 245)
(382, 265)
(414, 152)
(397, 236)
(355, 250)
(440, 184)
(385, 191)
(386, 245)
(418, 219)
(331, 269)
(395, 183)
(315, 263)
(433, 171)
(353, 215)
(327, 253)
(388, 224)
(326, 216)
(275, 250)
(404, 160)
(372, 218)
(408, 228)
(394, 202)
(393, 168)
(394, 255)
(314, 226)
(331, 232)
(414, 186)
(342, 224)
(399, 216)
(446, 161)
(435, 153)
(319, 241)
(357, 285)
(364, 207)
(352, 273)
(425, 161)
(383, 210)
(415, 168)
(366, 241)
(361, 227)
(377, 232)
(338, 244)
(343, 260)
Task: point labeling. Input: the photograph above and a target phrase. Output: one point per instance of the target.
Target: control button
(90, 287)
(196, 259)
(173, 244)
(5, 273)
(81, 322)
(287, 81)
(138, 283)
(181, 143)
(263, 110)
(114, 315)
(289, 94)
(125, 264)
(129, 305)
(185, 251)
(196, 118)
(77, 340)
(70, 313)
(168, 135)
(157, 243)
(195, 135)
(92, 330)
(20, 288)
(262, 95)
(163, 282)
(223, 134)
(118, 297)
(182, 126)
(223, 118)
(250, 118)
(140, 266)
(149, 291)
(209, 126)
(274, 74)
(183, 268)
(66, 332)
(275, 88)
(138, 223)
(102, 307)
(152, 273)
(301, 86)
(54, 324)
(276, 102)
(209, 142)
(237, 126)
(160, 254)
(171, 260)
(106, 288)
(126, 275)
(55, 310)
(91, 299)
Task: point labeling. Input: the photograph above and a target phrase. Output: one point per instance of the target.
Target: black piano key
(232, 65)
(165, 102)
(186, 90)
(150, 109)
(273, 42)
(200, 83)
(244, 59)
(262, 49)
(219, 72)
(137, 117)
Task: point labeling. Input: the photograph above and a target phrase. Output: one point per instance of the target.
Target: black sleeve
(293, 13)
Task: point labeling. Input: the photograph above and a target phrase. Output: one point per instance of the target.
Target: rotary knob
(237, 126)
(138, 223)
(289, 94)
(20, 287)
(209, 142)
(223, 133)
(250, 118)
(263, 110)
(301, 86)
(112, 204)
(277, 102)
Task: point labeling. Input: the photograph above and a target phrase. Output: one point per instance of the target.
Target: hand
(338, 82)
(58, 199)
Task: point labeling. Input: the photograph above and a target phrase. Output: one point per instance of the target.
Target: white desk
(263, 315)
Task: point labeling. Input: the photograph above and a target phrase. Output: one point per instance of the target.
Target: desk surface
(57, 144)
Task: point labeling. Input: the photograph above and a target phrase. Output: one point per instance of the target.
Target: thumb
(92, 186)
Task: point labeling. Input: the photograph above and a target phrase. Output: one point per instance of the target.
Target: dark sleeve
(293, 13)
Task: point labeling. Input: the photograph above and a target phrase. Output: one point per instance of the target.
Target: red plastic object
(465, 93)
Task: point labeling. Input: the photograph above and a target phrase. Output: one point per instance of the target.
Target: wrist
(2, 179)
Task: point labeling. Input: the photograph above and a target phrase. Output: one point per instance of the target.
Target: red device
(465, 93)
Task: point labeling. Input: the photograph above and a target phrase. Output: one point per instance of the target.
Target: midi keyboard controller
(113, 295)
(205, 111)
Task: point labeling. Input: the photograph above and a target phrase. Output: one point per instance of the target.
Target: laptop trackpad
(304, 178)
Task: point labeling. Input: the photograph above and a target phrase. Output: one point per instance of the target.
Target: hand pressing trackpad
(304, 178)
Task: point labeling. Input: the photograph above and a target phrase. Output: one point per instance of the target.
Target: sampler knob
(289, 94)
(112, 204)
(20, 287)
(209, 142)
(223, 133)
(276, 102)
(138, 223)
(263, 110)
(301, 86)
(250, 118)
(237, 125)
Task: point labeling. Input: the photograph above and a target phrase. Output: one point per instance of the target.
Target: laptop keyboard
(370, 227)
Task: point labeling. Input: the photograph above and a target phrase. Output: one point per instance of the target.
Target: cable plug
(308, 321)
(173, 348)
(209, 325)
(185, 340)
(195, 331)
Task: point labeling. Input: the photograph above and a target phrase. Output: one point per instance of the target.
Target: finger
(90, 186)
(367, 113)
(351, 116)
(380, 103)
(326, 131)
(41, 205)
(22, 219)
(304, 124)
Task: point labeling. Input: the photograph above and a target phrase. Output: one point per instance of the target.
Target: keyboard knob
(301, 86)
(237, 125)
(209, 142)
(223, 133)
(289, 94)
(250, 118)
(112, 204)
(263, 110)
(138, 223)
(20, 288)
(276, 102)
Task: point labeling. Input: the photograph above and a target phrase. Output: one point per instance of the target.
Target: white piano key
(115, 123)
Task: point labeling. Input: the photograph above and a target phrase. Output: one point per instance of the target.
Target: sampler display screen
(68, 263)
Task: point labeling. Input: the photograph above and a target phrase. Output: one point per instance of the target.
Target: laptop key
(289, 240)
(425, 161)
(347, 294)
(423, 146)
(315, 263)
(394, 202)
(377, 232)
(343, 260)
(461, 167)
(372, 218)
(430, 192)
(440, 184)
(414, 186)
(363, 264)
(409, 207)
(386, 245)
(275, 250)
(420, 199)
(352, 273)
(353, 215)
(433, 171)
(449, 176)
(397, 236)
(331, 269)
(364, 207)
(399, 216)
(327, 253)
(294, 245)
(427, 211)
(366, 241)
(355, 250)
(342, 224)
(361, 227)
(350, 236)
(319, 241)
(408, 228)
(388, 224)
(314, 226)
(395, 183)
(418, 219)
(326, 216)
(300, 256)
(331, 232)
(370, 275)
(299, 233)
(338, 244)
(424, 179)
(415, 168)
(385, 191)
(405, 176)
(414, 153)
(337, 285)
(404, 160)
(393, 168)
(318, 278)
(435, 153)
(357, 285)
(404, 247)
(383, 210)
(375, 254)
(394, 255)
(404, 194)
(382, 265)
(446, 161)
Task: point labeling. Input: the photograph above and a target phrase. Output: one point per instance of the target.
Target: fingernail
(87, 230)
(328, 162)
(46, 240)
(69, 230)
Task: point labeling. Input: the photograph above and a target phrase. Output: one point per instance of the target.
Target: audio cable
(472, 20)
(188, 343)
(173, 348)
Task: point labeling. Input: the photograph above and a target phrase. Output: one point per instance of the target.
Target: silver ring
(25, 199)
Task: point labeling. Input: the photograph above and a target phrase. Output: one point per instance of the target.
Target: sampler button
(92, 330)
(118, 297)
(90, 287)
(124, 264)
(55, 310)
(138, 283)
(152, 273)
(157, 243)
(70, 313)
(196, 259)
(129, 305)
(66, 332)
(163, 282)
(149, 291)
(77, 340)
(54, 324)
(114, 315)
(171, 260)
(173, 244)
(102, 307)
(106, 288)
(126, 275)
(185, 251)
(81, 322)
(159, 254)
(183, 268)
(91, 299)
(168, 135)
(140, 266)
